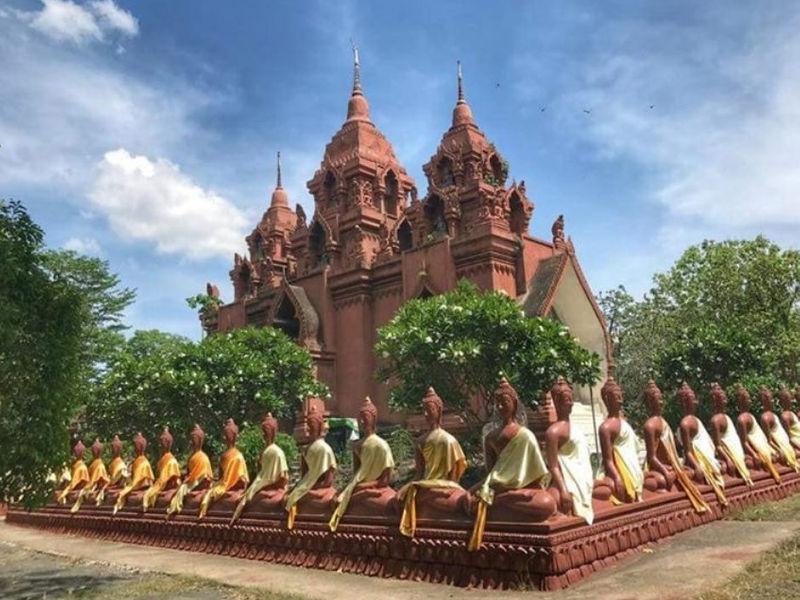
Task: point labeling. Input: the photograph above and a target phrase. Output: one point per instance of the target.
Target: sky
(145, 133)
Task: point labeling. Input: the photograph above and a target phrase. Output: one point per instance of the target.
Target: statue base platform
(544, 556)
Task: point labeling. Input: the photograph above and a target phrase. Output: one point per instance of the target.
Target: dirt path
(678, 568)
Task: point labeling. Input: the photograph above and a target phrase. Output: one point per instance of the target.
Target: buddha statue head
(742, 399)
(230, 431)
(367, 417)
(687, 398)
(78, 449)
(97, 448)
(315, 421)
(116, 447)
(765, 397)
(653, 398)
(166, 440)
(433, 407)
(611, 393)
(139, 443)
(561, 393)
(197, 437)
(269, 428)
(719, 398)
(785, 397)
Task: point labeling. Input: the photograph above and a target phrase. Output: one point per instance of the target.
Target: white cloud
(152, 200)
(66, 21)
(87, 246)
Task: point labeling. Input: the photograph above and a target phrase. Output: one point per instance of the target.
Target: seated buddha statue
(440, 462)
(98, 476)
(788, 417)
(313, 494)
(169, 472)
(118, 475)
(233, 477)
(624, 478)
(755, 443)
(141, 475)
(726, 440)
(568, 458)
(78, 476)
(369, 492)
(698, 448)
(776, 434)
(663, 462)
(268, 489)
(198, 476)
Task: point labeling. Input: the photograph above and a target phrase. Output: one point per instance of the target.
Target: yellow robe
(118, 473)
(79, 477)
(375, 456)
(731, 446)
(794, 429)
(519, 464)
(168, 469)
(141, 477)
(443, 456)
(576, 469)
(232, 470)
(273, 467)
(689, 488)
(98, 478)
(198, 470)
(319, 459)
(780, 440)
(761, 445)
(703, 448)
(626, 459)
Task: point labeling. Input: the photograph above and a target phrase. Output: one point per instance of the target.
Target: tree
(159, 379)
(726, 311)
(41, 324)
(463, 341)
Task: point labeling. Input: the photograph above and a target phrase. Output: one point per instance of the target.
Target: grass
(774, 576)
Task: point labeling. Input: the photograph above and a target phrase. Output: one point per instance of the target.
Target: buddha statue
(369, 492)
(141, 474)
(624, 479)
(789, 418)
(440, 462)
(723, 432)
(118, 475)
(169, 472)
(98, 476)
(198, 475)
(699, 451)
(568, 458)
(515, 488)
(314, 494)
(78, 477)
(233, 477)
(663, 462)
(268, 490)
(776, 434)
(755, 443)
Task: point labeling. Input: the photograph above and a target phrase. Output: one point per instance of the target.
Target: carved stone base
(545, 556)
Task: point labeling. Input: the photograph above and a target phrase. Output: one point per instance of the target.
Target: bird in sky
(587, 111)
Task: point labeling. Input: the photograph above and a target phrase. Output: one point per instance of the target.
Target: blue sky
(145, 132)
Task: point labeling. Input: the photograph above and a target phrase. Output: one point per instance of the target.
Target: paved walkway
(678, 568)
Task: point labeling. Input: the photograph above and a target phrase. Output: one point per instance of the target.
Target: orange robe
(169, 471)
(98, 478)
(198, 470)
(232, 471)
(78, 478)
(141, 477)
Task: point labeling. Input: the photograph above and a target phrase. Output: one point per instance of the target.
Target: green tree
(463, 341)
(160, 379)
(41, 323)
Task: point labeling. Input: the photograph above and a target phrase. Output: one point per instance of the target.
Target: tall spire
(356, 70)
(278, 185)
(279, 197)
(462, 113)
(357, 107)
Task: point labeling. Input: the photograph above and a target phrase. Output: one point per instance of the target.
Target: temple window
(330, 187)
(517, 220)
(404, 237)
(434, 213)
(444, 172)
(317, 242)
(390, 195)
(498, 171)
(286, 319)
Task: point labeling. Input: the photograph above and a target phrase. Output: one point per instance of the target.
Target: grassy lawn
(776, 575)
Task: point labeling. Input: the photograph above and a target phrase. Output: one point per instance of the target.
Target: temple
(372, 244)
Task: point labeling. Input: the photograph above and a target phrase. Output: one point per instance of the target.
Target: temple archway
(286, 319)
(518, 220)
(317, 241)
(444, 172)
(390, 194)
(434, 213)
(405, 238)
(329, 185)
